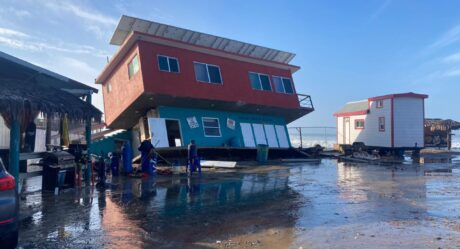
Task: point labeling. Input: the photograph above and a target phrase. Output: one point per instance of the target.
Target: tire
(11, 241)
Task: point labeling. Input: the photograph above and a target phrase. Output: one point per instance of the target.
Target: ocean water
(327, 137)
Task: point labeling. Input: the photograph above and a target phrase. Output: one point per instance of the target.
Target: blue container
(262, 153)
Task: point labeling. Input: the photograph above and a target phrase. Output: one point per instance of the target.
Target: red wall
(124, 90)
(236, 85)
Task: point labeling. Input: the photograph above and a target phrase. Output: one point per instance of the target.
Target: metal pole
(300, 134)
(88, 143)
(15, 138)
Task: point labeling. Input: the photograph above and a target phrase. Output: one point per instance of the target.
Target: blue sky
(347, 50)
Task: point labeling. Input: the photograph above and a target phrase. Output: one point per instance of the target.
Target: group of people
(149, 159)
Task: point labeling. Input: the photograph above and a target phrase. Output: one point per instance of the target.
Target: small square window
(359, 124)
(168, 64)
(211, 127)
(260, 81)
(283, 85)
(379, 104)
(207, 73)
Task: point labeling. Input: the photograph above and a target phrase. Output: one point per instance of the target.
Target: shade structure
(18, 97)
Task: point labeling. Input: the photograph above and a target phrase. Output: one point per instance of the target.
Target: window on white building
(359, 124)
(211, 127)
(381, 123)
(379, 104)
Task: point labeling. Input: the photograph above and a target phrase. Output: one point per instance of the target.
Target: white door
(259, 133)
(271, 136)
(346, 130)
(248, 138)
(158, 132)
(282, 137)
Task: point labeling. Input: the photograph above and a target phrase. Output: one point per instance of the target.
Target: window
(359, 124)
(283, 85)
(211, 127)
(260, 81)
(133, 66)
(381, 123)
(109, 87)
(379, 104)
(207, 73)
(168, 64)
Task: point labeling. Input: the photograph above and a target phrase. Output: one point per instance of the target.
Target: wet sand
(325, 205)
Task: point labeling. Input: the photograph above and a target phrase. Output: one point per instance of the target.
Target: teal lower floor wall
(108, 144)
(230, 136)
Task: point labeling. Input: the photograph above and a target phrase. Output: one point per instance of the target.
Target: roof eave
(134, 37)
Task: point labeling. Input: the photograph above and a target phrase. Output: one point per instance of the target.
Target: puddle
(330, 204)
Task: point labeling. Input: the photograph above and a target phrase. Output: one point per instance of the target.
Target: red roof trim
(399, 95)
(346, 114)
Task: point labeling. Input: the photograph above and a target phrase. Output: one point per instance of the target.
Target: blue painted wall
(107, 144)
(228, 134)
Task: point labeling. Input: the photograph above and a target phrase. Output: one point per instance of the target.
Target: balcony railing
(305, 101)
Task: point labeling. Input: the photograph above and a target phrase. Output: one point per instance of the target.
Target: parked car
(9, 209)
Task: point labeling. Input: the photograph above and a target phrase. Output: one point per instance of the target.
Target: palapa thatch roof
(17, 97)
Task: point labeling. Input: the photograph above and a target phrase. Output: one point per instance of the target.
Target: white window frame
(207, 71)
(169, 66)
(260, 82)
(282, 83)
(384, 125)
(130, 76)
(204, 127)
(379, 104)
(109, 87)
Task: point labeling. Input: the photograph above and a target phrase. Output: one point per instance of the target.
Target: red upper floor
(150, 70)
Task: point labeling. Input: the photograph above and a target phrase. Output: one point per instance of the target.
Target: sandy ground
(325, 205)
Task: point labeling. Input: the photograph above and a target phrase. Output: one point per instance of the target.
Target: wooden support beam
(88, 143)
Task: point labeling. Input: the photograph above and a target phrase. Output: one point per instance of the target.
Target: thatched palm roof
(17, 97)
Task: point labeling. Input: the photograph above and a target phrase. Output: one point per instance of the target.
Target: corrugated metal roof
(128, 24)
(356, 106)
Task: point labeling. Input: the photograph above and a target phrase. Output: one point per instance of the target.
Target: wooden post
(48, 130)
(88, 143)
(15, 138)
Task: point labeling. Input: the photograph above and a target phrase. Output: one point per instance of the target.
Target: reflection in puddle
(269, 207)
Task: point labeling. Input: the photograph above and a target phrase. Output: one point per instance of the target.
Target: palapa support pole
(15, 138)
(88, 143)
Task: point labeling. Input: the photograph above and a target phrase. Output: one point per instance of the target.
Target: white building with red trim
(389, 121)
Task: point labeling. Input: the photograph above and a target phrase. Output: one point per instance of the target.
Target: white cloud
(11, 33)
(19, 40)
(452, 73)
(380, 10)
(449, 37)
(87, 15)
(453, 58)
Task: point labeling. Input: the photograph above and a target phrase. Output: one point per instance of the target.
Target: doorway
(346, 130)
(173, 131)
